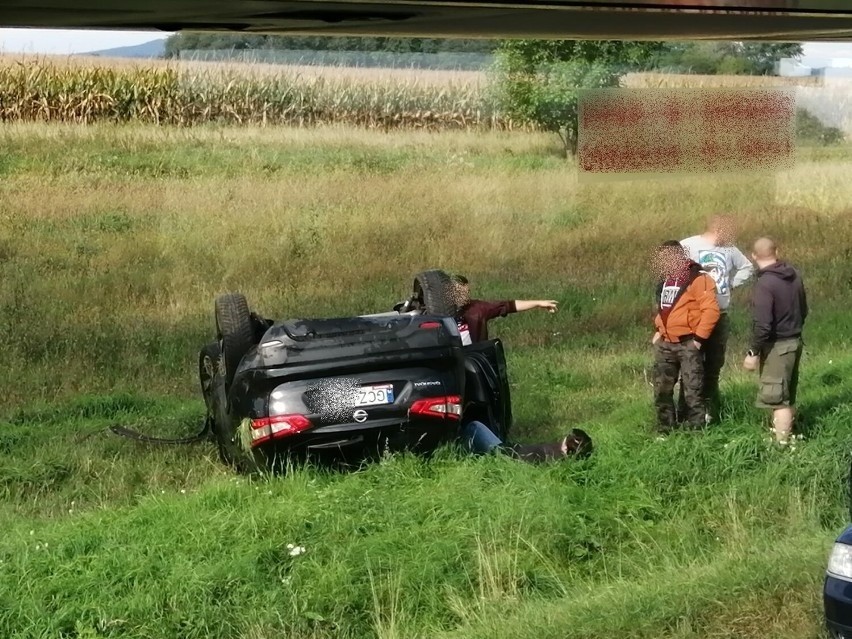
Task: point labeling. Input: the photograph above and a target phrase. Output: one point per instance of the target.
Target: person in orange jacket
(687, 313)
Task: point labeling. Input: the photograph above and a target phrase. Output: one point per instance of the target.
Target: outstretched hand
(526, 305)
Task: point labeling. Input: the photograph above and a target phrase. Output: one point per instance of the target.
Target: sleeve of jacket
(492, 310)
(705, 292)
(762, 312)
(743, 268)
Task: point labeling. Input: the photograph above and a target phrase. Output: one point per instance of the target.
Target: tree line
(539, 81)
(706, 58)
(190, 41)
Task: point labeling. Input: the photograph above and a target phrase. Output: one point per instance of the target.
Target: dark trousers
(713, 356)
(673, 361)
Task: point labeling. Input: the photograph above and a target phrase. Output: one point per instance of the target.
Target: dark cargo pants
(686, 362)
(713, 355)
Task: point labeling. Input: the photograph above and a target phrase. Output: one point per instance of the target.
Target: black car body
(837, 587)
(353, 386)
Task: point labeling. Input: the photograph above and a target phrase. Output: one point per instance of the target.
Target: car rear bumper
(837, 602)
(394, 434)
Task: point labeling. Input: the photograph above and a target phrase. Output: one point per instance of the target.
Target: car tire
(235, 331)
(434, 290)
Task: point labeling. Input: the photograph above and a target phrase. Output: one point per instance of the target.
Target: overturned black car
(350, 387)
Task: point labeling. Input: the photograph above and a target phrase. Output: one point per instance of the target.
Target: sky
(65, 41)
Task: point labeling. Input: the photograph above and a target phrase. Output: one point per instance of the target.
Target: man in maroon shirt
(474, 315)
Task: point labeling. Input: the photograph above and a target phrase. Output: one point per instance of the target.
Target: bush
(811, 129)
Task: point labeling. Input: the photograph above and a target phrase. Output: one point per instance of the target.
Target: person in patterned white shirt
(714, 250)
(474, 315)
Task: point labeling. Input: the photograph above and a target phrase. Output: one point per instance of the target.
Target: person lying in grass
(474, 315)
(477, 438)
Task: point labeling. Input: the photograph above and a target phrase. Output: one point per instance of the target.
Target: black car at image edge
(837, 587)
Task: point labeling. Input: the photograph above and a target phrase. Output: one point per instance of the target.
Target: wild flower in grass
(295, 551)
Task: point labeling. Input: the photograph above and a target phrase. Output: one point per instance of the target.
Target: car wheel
(235, 331)
(434, 290)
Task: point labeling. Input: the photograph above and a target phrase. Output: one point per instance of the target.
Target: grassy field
(114, 241)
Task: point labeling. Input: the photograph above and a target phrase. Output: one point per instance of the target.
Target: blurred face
(461, 293)
(726, 231)
(669, 261)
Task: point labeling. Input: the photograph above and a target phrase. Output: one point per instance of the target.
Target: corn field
(86, 90)
(171, 94)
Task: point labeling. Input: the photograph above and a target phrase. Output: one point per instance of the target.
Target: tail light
(278, 426)
(430, 325)
(448, 407)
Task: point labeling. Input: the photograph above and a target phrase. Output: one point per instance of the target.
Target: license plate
(372, 395)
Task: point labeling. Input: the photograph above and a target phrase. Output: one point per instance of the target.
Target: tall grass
(123, 273)
(113, 242)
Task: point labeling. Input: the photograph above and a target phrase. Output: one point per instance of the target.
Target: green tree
(763, 56)
(725, 58)
(541, 81)
(238, 41)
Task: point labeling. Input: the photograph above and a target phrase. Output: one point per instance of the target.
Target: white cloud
(820, 51)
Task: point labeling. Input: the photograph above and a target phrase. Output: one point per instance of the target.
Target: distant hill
(152, 49)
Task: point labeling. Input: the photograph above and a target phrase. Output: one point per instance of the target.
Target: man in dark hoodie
(687, 312)
(779, 310)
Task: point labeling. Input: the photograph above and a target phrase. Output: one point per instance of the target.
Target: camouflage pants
(670, 362)
(713, 355)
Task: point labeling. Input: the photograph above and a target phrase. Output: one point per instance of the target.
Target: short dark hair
(668, 245)
(459, 279)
